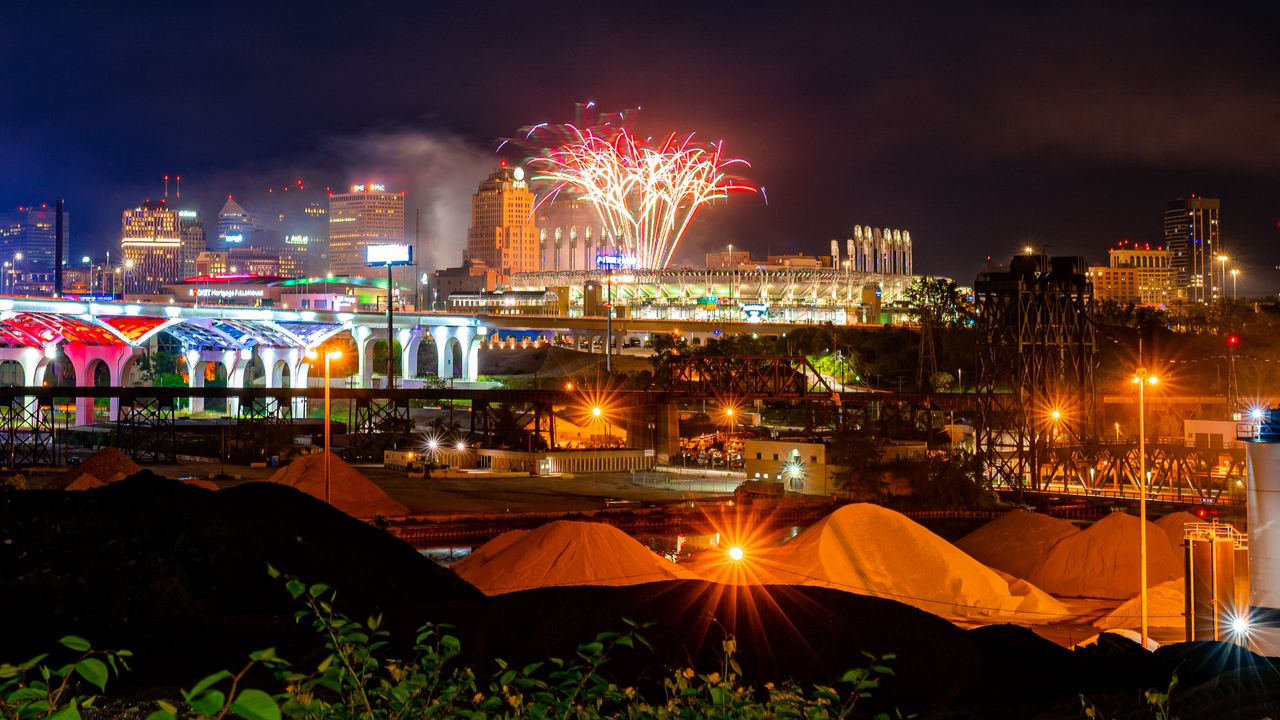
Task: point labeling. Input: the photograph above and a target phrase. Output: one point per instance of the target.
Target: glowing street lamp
(1235, 275)
(1028, 249)
(328, 449)
(736, 554)
(1142, 378)
(1222, 262)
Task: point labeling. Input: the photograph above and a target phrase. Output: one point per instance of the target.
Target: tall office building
(27, 238)
(1191, 233)
(191, 229)
(151, 246)
(236, 226)
(368, 215)
(502, 234)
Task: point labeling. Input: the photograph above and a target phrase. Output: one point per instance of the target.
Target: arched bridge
(105, 341)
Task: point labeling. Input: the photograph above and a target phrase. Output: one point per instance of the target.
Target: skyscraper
(151, 244)
(1191, 233)
(502, 233)
(368, 215)
(191, 229)
(236, 226)
(28, 233)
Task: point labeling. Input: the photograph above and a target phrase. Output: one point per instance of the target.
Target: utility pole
(391, 331)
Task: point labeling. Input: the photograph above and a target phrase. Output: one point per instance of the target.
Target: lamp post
(1142, 377)
(728, 413)
(328, 450)
(1235, 275)
(1222, 262)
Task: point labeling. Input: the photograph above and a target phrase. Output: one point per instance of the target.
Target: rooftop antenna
(179, 187)
(166, 186)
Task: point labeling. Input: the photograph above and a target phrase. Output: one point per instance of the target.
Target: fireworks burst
(646, 194)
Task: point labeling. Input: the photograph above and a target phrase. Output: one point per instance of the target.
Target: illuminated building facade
(368, 215)
(27, 238)
(210, 263)
(191, 228)
(1136, 274)
(569, 235)
(502, 234)
(236, 226)
(1191, 232)
(151, 245)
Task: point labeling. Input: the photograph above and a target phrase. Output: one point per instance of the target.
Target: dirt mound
(1172, 524)
(203, 484)
(565, 553)
(1164, 609)
(871, 550)
(178, 574)
(108, 465)
(351, 492)
(1103, 561)
(1016, 541)
(85, 482)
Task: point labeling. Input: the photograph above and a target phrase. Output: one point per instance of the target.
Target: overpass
(588, 333)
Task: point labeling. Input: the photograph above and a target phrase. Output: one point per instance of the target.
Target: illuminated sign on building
(228, 292)
(297, 239)
(755, 312)
(372, 187)
(236, 238)
(388, 254)
(627, 261)
(188, 213)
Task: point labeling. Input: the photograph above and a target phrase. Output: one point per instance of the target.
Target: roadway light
(1028, 249)
(597, 411)
(1056, 415)
(460, 446)
(1142, 377)
(736, 554)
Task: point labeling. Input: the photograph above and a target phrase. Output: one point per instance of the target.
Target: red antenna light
(1233, 340)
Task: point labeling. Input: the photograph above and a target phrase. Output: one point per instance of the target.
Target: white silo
(1263, 454)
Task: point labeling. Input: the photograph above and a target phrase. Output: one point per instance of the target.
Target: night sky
(978, 127)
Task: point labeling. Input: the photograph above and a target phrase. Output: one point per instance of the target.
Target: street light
(1235, 274)
(1142, 378)
(1222, 261)
(728, 413)
(328, 450)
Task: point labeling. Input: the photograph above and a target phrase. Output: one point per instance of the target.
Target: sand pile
(108, 465)
(1016, 541)
(351, 492)
(871, 550)
(1102, 561)
(85, 482)
(1164, 609)
(1172, 524)
(564, 553)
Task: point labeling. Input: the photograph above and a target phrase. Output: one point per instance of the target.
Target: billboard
(388, 254)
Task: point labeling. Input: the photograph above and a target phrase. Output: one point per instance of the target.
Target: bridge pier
(83, 360)
(410, 341)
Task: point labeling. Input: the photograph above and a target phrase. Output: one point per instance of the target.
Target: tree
(937, 302)
(859, 470)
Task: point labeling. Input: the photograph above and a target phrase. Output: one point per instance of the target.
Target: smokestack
(59, 237)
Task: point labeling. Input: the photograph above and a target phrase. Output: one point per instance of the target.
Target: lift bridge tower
(1036, 359)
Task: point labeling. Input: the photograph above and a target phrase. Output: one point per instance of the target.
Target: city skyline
(848, 116)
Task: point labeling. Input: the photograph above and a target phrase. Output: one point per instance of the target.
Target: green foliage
(860, 471)
(937, 302)
(942, 481)
(34, 689)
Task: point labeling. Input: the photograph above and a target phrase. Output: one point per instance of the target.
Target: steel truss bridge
(267, 418)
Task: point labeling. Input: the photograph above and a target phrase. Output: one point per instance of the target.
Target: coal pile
(178, 574)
